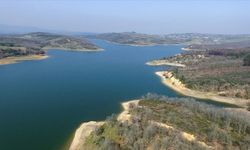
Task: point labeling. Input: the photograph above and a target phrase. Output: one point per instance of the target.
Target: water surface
(43, 102)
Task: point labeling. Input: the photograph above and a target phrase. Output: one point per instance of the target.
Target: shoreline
(164, 63)
(177, 86)
(17, 59)
(145, 45)
(82, 133)
(187, 49)
(86, 128)
(125, 115)
(138, 45)
(76, 50)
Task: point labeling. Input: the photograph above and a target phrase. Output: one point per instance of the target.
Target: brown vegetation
(161, 123)
(222, 71)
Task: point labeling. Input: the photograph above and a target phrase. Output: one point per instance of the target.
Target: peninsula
(216, 72)
(158, 122)
(33, 46)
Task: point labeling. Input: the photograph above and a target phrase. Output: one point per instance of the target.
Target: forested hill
(160, 123)
(39, 42)
(132, 38)
(139, 39)
(224, 71)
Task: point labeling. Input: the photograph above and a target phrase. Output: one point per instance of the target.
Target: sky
(143, 16)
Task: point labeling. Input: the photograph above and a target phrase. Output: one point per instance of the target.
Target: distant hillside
(132, 38)
(10, 29)
(38, 42)
(237, 44)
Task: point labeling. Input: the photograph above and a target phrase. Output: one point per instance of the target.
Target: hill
(189, 39)
(37, 43)
(221, 70)
(156, 122)
(137, 39)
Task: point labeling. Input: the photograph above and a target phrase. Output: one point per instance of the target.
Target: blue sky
(145, 16)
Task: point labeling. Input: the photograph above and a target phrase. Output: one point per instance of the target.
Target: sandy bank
(164, 62)
(176, 85)
(187, 49)
(86, 128)
(12, 60)
(125, 115)
(138, 45)
(16, 59)
(76, 50)
(82, 132)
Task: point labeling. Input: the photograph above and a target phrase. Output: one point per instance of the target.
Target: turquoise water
(43, 102)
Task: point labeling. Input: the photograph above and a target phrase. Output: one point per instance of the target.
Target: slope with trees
(159, 122)
(37, 44)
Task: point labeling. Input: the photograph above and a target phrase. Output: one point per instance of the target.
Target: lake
(43, 102)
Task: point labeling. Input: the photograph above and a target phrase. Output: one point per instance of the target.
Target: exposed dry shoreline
(139, 45)
(17, 59)
(164, 62)
(82, 133)
(125, 115)
(186, 49)
(12, 60)
(87, 127)
(176, 85)
(76, 50)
